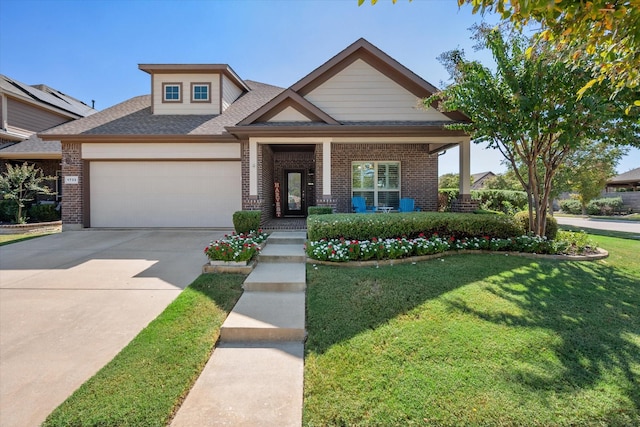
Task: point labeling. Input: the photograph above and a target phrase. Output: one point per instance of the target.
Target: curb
(36, 227)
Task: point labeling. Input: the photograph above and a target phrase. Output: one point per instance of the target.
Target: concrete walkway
(255, 376)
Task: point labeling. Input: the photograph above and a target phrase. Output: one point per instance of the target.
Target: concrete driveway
(70, 302)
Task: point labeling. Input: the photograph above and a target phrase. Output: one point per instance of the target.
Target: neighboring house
(478, 180)
(629, 180)
(207, 143)
(26, 110)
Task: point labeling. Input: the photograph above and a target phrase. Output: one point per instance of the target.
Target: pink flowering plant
(236, 247)
(343, 250)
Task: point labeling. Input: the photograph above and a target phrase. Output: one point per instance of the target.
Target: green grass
(147, 381)
(7, 239)
(598, 232)
(489, 340)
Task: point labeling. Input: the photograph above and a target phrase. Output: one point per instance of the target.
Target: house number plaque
(71, 180)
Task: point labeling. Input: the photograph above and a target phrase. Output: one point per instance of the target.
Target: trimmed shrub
(445, 197)
(551, 230)
(410, 225)
(43, 213)
(246, 221)
(506, 201)
(570, 206)
(8, 210)
(320, 210)
(604, 206)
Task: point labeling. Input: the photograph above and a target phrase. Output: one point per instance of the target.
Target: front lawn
(476, 339)
(147, 381)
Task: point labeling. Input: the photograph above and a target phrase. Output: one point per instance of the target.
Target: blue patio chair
(407, 205)
(360, 205)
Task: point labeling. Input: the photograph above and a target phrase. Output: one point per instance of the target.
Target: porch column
(465, 170)
(464, 202)
(326, 169)
(253, 167)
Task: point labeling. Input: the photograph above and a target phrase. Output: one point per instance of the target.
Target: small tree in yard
(528, 110)
(586, 170)
(21, 184)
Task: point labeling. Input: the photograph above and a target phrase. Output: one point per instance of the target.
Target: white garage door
(164, 194)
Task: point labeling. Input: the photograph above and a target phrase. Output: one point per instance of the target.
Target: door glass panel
(294, 191)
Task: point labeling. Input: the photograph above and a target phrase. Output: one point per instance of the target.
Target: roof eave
(342, 130)
(88, 138)
(32, 155)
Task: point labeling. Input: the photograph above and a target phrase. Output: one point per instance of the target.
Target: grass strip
(599, 232)
(477, 339)
(148, 380)
(7, 239)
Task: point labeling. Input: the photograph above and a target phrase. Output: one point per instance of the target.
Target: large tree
(601, 35)
(527, 109)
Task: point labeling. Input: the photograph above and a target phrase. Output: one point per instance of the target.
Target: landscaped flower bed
(342, 250)
(236, 247)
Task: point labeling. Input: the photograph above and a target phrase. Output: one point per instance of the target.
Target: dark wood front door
(294, 192)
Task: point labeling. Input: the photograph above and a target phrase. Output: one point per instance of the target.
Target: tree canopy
(527, 109)
(600, 35)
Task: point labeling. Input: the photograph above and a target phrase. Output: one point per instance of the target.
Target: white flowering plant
(236, 247)
(343, 250)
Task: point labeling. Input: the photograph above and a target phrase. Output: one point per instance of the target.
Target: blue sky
(90, 49)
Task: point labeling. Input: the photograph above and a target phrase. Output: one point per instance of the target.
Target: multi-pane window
(200, 92)
(377, 182)
(171, 92)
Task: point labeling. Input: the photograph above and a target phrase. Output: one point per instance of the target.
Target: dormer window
(172, 92)
(200, 92)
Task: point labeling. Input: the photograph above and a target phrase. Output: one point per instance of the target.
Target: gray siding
(24, 116)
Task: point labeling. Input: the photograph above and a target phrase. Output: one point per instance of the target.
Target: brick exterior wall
(72, 205)
(418, 169)
(265, 184)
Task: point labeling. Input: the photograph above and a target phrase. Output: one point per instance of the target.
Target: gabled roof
(362, 49)
(43, 94)
(287, 99)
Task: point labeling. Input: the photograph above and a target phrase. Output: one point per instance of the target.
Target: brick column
(464, 203)
(72, 203)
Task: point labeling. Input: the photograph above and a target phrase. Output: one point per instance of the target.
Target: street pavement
(601, 224)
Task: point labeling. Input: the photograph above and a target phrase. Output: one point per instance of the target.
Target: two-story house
(206, 143)
(28, 109)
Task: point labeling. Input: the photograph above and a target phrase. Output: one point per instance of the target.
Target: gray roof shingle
(628, 177)
(134, 117)
(32, 145)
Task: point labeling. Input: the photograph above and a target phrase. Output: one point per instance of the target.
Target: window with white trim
(200, 92)
(377, 182)
(171, 92)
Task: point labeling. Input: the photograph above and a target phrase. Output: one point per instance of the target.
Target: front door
(294, 192)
